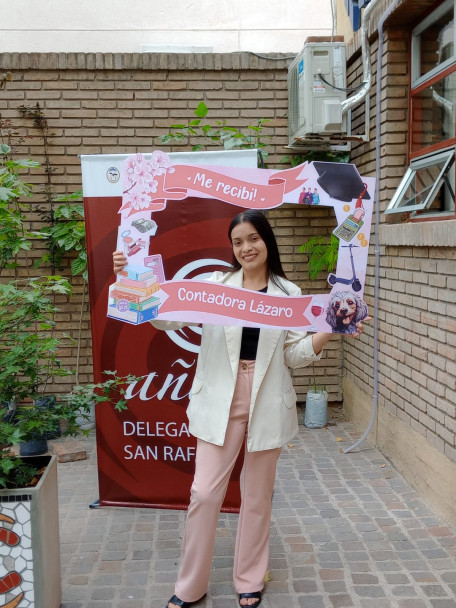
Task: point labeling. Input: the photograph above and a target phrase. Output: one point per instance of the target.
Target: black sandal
(175, 600)
(256, 594)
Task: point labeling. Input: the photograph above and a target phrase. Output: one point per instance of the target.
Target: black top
(250, 336)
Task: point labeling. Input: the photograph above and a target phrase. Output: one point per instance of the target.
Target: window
(428, 186)
(432, 114)
(433, 43)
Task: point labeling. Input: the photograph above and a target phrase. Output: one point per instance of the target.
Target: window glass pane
(433, 113)
(437, 43)
(444, 198)
(420, 185)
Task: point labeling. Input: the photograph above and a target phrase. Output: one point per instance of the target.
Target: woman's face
(249, 248)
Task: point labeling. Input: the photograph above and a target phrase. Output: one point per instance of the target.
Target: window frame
(415, 92)
(416, 79)
(448, 156)
(432, 154)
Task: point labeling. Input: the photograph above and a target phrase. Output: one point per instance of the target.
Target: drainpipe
(355, 99)
(383, 18)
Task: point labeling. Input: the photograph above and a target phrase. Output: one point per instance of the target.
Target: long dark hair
(263, 227)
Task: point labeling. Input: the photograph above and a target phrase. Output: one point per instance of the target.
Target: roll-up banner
(146, 455)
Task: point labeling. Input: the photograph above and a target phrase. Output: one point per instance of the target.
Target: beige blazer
(273, 418)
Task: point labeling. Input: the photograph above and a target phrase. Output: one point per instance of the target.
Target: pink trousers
(212, 473)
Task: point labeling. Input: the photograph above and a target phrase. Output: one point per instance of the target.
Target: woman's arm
(300, 350)
(319, 341)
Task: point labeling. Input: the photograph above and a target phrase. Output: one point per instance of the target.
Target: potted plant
(28, 493)
(29, 500)
(29, 351)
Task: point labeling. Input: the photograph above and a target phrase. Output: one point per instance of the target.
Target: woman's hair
(263, 227)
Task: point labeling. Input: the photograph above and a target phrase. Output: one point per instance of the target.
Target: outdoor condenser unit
(316, 88)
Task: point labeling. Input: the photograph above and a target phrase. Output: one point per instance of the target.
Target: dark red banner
(146, 455)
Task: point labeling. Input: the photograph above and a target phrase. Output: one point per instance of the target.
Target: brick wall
(417, 291)
(121, 103)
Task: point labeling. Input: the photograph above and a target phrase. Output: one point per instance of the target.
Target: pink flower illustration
(138, 200)
(142, 173)
(159, 162)
(140, 177)
(151, 186)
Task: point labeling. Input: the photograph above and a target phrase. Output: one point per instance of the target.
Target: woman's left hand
(360, 328)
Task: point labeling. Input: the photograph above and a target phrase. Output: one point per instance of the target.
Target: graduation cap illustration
(340, 180)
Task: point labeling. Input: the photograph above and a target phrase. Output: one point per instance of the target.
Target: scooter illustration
(354, 281)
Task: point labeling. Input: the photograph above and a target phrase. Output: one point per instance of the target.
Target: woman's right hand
(119, 261)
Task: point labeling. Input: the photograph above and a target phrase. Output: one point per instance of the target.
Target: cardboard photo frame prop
(143, 292)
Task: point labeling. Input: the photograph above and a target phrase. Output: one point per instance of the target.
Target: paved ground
(347, 531)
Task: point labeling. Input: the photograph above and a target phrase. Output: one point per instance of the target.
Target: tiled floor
(347, 531)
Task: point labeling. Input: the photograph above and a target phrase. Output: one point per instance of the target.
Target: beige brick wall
(417, 290)
(121, 103)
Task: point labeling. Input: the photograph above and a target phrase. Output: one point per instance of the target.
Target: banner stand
(146, 455)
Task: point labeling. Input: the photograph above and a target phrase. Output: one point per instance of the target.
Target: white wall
(125, 25)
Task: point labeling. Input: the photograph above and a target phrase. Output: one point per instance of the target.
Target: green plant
(24, 476)
(219, 134)
(64, 229)
(14, 237)
(31, 420)
(111, 390)
(29, 344)
(322, 252)
(29, 348)
(29, 351)
(66, 235)
(314, 387)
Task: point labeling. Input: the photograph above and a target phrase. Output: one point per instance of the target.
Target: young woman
(242, 391)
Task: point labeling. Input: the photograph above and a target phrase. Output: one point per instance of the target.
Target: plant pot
(316, 415)
(49, 401)
(31, 553)
(36, 446)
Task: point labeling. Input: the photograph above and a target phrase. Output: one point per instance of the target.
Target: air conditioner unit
(316, 89)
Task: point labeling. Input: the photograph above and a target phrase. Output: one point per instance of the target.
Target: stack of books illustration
(132, 298)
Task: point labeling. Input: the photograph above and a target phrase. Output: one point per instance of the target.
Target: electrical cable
(348, 90)
(261, 159)
(265, 56)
